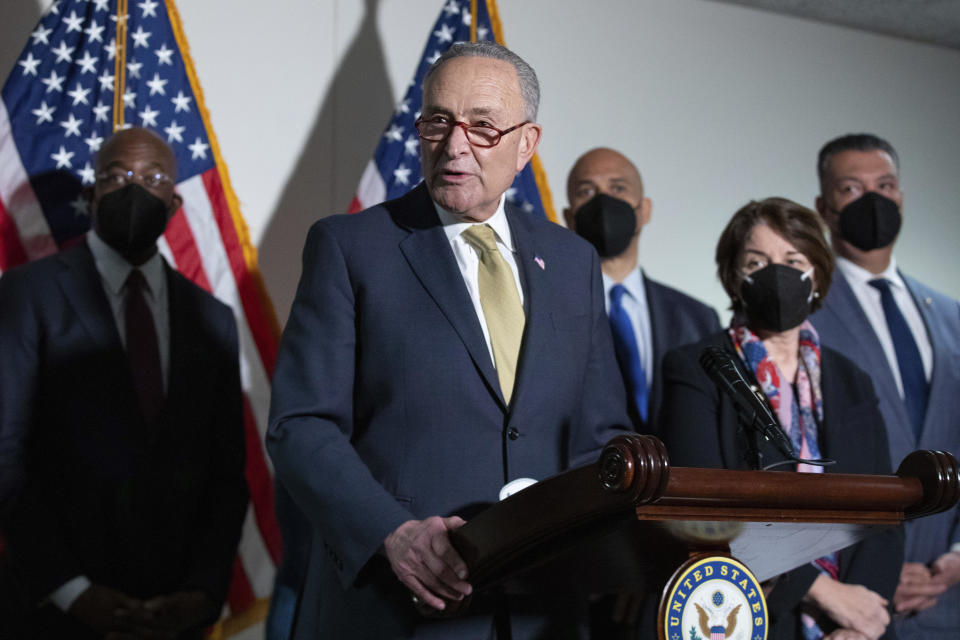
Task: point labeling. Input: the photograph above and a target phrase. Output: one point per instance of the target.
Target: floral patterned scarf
(799, 411)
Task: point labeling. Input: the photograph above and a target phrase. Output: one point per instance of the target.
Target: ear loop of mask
(808, 274)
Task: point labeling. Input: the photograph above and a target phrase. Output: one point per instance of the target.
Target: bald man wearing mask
(609, 209)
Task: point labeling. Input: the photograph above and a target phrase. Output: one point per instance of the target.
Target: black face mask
(872, 221)
(607, 223)
(130, 220)
(777, 297)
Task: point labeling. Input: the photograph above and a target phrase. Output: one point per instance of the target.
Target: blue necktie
(628, 351)
(914, 380)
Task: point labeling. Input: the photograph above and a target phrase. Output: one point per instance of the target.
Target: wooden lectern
(629, 521)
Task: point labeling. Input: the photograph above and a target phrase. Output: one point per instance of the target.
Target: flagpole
(473, 20)
(539, 175)
(119, 65)
(239, 224)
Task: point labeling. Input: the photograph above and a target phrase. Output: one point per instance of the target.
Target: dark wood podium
(630, 520)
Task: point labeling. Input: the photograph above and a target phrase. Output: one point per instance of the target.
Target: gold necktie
(500, 301)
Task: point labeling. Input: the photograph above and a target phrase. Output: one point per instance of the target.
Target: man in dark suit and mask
(907, 337)
(608, 207)
(120, 380)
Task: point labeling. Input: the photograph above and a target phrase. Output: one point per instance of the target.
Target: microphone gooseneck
(728, 374)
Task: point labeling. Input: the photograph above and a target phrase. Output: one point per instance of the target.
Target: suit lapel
(831, 435)
(81, 286)
(940, 384)
(429, 255)
(847, 313)
(656, 310)
(183, 328)
(537, 292)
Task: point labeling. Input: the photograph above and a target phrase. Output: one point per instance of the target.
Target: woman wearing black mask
(775, 264)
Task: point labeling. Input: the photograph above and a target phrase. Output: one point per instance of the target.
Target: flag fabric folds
(76, 82)
(395, 167)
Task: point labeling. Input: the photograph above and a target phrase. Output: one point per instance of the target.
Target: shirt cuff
(955, 547)
(68, 592)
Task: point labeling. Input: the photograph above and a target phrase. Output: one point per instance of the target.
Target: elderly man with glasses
(441, 345)
(120, 387)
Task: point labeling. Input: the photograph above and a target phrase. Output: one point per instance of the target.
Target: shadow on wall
(18, 21)
(342, 141)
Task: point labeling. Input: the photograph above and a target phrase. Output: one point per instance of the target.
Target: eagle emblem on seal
(711, 628)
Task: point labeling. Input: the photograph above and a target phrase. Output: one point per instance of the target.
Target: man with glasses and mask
(907, 337)
(121, 379)
(608, 208)
(440, 346)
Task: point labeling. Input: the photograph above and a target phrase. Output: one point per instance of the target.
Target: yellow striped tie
(500, 301)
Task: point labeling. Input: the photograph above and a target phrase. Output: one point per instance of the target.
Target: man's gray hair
(529, 85)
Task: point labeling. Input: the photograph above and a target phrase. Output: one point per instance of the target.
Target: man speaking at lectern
(440, 345)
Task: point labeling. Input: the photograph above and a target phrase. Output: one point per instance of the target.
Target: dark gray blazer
(843, 325)
(386, 406)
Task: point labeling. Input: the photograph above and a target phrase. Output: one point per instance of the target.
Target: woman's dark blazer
(700, 428)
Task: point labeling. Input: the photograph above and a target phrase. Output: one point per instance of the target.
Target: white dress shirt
(869, 298)
(634, 302)
(468, 257)
(114, 270)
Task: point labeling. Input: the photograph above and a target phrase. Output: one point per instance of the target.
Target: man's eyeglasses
(437, 128)
(120, 178)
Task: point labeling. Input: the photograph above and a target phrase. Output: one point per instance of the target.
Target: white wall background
(717, 104)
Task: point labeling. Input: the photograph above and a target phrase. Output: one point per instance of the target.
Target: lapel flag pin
(540, 262)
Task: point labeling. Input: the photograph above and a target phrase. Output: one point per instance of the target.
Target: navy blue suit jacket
(676, 319)
(843, 325)
(386, 405)
(144, 509)
(700, 428)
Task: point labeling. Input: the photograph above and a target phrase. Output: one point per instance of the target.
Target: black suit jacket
(145, 509)
(700, 428)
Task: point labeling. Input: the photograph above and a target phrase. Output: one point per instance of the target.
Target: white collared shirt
(468, 258)
(869, 298)
(634, 302)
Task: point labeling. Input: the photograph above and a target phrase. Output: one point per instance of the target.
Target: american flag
(71, 87)
(395, 167)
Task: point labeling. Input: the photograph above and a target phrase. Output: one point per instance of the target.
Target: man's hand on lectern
(422, 557)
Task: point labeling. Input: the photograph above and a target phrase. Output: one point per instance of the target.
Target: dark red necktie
(142, 348)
